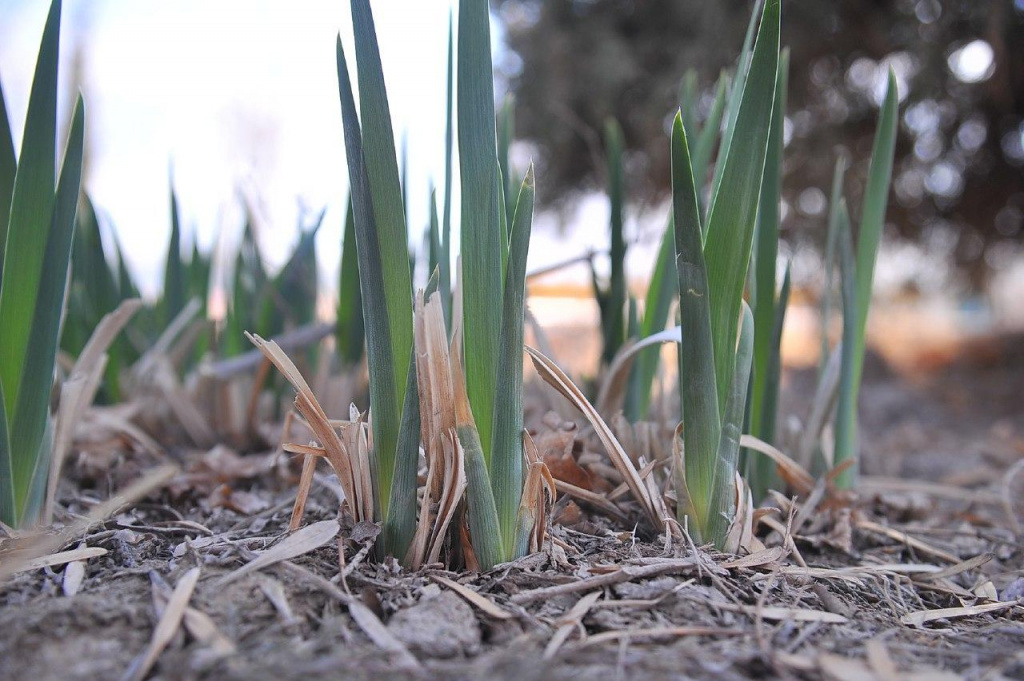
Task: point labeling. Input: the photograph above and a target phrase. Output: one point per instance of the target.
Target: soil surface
(604, 600)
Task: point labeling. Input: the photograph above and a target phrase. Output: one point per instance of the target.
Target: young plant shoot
(715, 357)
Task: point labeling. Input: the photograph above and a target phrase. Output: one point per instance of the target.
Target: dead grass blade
(654, 509)
(49, 543)
(843, 668)
(538, 495)
(959, 568)
(657, 633)
(446, 474)
(613, 385)
(289, 341)
(626, 573)
(363, 616)
(198, 623)
(350, 474)
(789, 470)
(916, 619)
(598, 500)
(305, 540)
(477, 600)
(166, 628)
(777, 614)
(569, 621)
(906, 539)
(74, 575)
(880, 660)
(79, 390)
(740, 536)
(762, 557)
(305, 483)
(60, 559)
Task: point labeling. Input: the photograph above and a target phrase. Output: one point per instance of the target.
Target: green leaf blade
(767, 250)
(8, 170)
(481, 239)
(507, 446)
(31, 209)
(876, 198)
(380, 162)
(615, 310)
(732, 215)
(351, 335)
(723, 503)
(697, 386)
(384, 404)
(33, 405)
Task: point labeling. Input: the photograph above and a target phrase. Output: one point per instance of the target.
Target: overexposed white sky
(227, 97)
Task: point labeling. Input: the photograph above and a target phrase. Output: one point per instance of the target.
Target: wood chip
(916, 619)
(301, 542)
(475, 599)
(166, 628)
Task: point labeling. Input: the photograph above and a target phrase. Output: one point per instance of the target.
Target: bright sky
(229, 96)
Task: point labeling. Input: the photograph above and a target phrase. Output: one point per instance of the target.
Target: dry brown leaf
(79, 390)
(569, 621)
(166, 628)
(57, 559)
(347, 463)
(301, 542)
(305, 483)
(475, 599)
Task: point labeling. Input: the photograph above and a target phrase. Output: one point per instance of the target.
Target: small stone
(442, 627)
(1014, 591)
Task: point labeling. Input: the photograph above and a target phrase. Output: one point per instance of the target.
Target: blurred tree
(959, 177)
